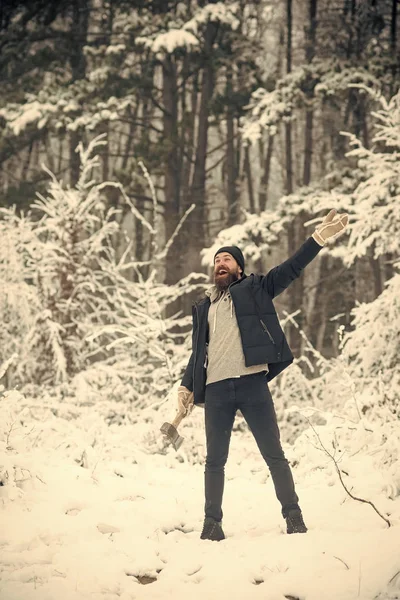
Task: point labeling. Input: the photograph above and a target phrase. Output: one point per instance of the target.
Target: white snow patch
(124, 522)
(170, 41)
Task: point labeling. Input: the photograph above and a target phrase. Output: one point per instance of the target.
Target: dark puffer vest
(263, 339)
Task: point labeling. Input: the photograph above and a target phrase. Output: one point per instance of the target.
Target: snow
(170, 41)
(19, 117)
(185, 36)
(115, 49)
(71, 106)
(267, 109)
(93, 505)
(214, 12)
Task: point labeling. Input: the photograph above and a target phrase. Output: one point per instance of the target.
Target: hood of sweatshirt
(216, 296)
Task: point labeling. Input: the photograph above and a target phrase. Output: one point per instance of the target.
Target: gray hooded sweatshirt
(225, 356)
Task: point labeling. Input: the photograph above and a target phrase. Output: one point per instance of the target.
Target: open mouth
(222, 272)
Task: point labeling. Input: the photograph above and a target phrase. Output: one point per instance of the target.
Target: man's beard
(223, 282)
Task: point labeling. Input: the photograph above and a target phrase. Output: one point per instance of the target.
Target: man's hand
(331, 227)
(185, 400)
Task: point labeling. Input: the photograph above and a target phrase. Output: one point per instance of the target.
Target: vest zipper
(267, 331)
(263, 325)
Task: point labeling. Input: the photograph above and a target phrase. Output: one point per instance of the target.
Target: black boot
(294, 521)
(212, 530)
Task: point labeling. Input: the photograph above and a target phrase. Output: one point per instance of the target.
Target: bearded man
(238, 346)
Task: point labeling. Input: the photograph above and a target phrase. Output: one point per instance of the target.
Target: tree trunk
(360, 119)
(293, 334)
(308, 146)
(265, 161)
(353, 27)
(321, 327)
(172, 172)
(376, 271)
(288, 126)
(238, 157)
(393, 45)
(316, 293)
(79, 30)
(188, 134)
(197, 231)
(26, 163)
(131, 133)
(249, 178)
(393, 28)
(263, 192)
(141, 235)
(310, 52)
(299, 298)
(105, 151)
(233, 212)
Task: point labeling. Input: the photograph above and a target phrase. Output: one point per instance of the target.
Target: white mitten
(185, 400)
(331, 227)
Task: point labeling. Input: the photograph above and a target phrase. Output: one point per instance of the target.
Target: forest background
(137, 137)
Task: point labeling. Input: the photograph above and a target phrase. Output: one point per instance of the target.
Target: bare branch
(342, 561)
(173, 236)
(341, 479)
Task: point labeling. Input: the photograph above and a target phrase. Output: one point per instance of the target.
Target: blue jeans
(249, 394)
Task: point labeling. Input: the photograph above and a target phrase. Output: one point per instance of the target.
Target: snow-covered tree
(367, 189)
(70, 305)
(376, 200)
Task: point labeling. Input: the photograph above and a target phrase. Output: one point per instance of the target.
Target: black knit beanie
(235, 252)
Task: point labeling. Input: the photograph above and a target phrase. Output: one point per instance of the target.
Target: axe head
(172, 435)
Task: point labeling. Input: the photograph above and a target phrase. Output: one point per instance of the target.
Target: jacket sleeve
(187, 380)
(280, 277)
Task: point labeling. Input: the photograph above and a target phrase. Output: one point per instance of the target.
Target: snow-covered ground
(96, 506)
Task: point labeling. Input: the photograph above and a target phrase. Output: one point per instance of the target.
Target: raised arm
(280, 277)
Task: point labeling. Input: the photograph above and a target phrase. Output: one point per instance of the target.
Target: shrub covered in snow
(68, 303)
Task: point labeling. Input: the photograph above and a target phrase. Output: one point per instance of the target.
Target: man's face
(226, 270)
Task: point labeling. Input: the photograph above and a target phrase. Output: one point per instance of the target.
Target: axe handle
(178, 419)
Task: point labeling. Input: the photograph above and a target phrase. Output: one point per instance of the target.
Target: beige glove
(331, 227)
(185, 400)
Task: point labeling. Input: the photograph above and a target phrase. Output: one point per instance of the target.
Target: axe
(170, 430)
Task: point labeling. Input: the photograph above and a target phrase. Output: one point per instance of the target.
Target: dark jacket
(263, 339)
